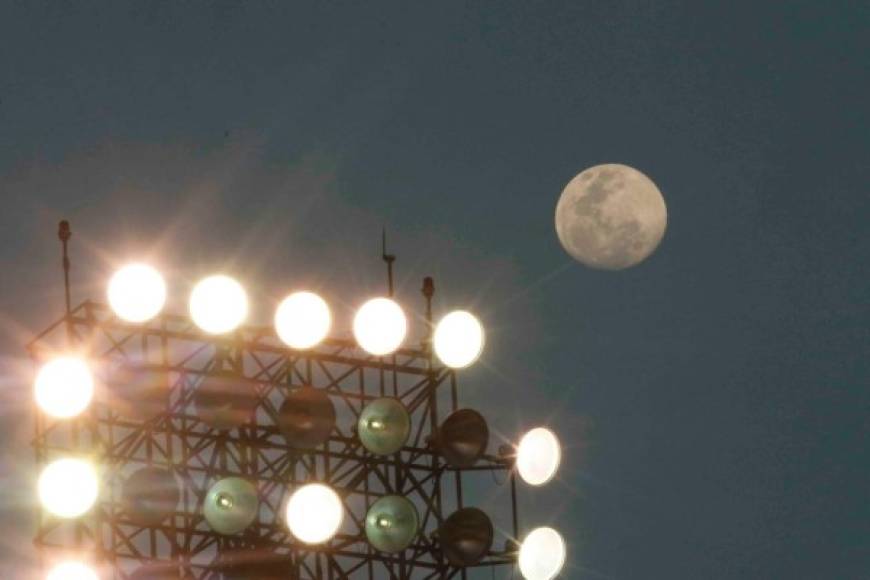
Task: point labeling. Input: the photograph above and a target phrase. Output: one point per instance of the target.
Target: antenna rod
(389, 259)
(428, 291)
(64, 234)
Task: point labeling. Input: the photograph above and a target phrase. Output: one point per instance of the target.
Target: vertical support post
(389, 259)
(514, 504)
(428, 293)
(64, 233)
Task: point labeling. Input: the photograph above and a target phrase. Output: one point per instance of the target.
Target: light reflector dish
(458, 339)
(384, 426)
(218, 304)
(231, 505)
(542, 554)
(302, 320)
(314, 513)
(380, 326)
(68, 487)
(64, 387)
(72, 570)
(538, 456)
(137, 293)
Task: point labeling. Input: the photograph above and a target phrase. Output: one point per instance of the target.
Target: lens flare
(218, 304)
(137, 293)
(542, 554)
(314, 513)
(538, 456)
(68, 487)
(64, 387)
(72, 570)
(458, 339)
(302, 320)
(380, 326)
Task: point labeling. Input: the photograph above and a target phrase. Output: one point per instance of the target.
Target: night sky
(714, 401)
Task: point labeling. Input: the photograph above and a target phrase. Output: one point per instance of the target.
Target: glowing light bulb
(302, 320)
(218, 304)
(314, 513)
(72, 570)
(64, 387)
(137, 293)
(542, 554)
(68, 487)
(538, 456)
(380, 326)
(458, 339)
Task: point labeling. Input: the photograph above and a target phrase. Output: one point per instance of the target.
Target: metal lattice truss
(199, 455)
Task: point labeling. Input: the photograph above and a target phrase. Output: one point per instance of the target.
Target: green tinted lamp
(231, 505)
(392, 524)
(384, 426)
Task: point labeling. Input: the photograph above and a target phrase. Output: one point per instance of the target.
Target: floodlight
(384, 426)
(392, 523)
(314, 513)
(306, 417)
(458, 339)
(138, 392)
(463, 437)
(68, 487)
(218, 304)
(137, 293)
(538, 456)
(64, 387)
(150, 495)
(224, 400)
(542, 554)
(466, 536)
(72, 570)
(231, 505)
(380, 326)
(302, 320)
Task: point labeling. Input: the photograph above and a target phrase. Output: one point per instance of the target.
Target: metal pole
(64, 234)
(514, 504)
(389, 259)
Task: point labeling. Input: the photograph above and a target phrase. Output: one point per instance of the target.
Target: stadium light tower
(201, 446)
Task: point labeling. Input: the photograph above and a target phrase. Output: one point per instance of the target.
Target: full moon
(611, 217)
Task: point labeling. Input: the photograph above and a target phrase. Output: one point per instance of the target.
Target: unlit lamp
(384, 426)
(231, 505)
(392, 524)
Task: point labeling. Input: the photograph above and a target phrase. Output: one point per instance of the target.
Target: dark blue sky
(714, 401)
